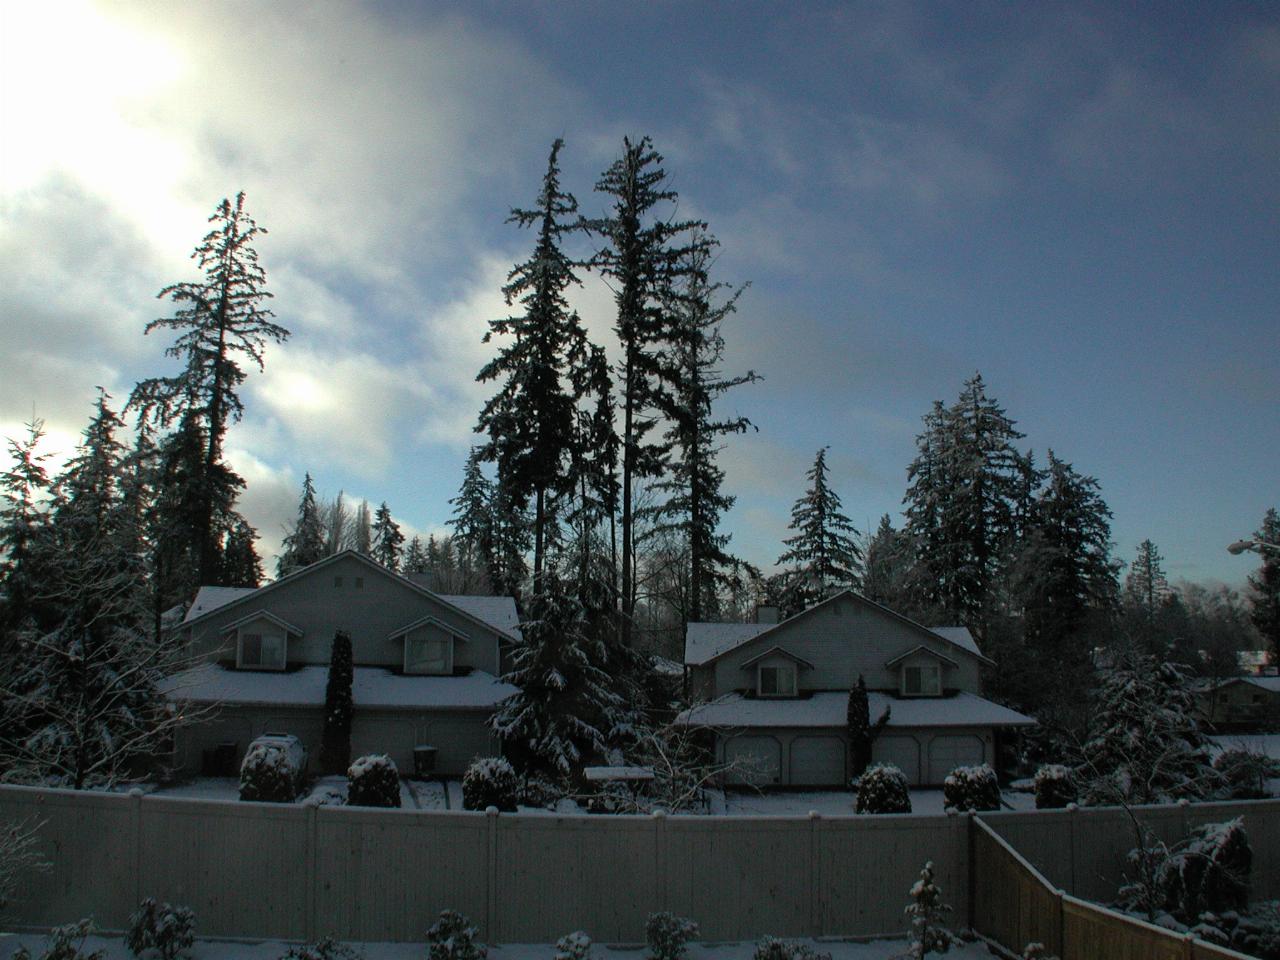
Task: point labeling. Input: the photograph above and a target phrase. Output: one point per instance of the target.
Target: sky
(1080, 201)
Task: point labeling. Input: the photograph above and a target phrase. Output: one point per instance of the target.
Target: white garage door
(760, 758)
(902, 751)
(948, 752)
(818, 761)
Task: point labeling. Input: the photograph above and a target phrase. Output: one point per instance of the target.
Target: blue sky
(1080, 201)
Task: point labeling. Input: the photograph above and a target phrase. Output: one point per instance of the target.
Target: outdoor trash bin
(424, 760)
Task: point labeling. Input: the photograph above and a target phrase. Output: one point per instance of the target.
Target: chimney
(766, 613)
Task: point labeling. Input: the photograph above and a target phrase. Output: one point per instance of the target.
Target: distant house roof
(1270, 684)
(705, 642)
(776, 651)
(499, 612)
(209, 599)
(829, 709)
(212, 683)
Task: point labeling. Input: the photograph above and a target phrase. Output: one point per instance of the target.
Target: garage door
(818, 761)
(760, 759)
(948, 752)
(903, 752)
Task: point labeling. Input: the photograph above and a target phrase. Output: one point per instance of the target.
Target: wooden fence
(1013, 904)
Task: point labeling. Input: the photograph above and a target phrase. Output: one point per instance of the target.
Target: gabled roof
(920, 649)
(217, 598)
(1270, 684)
(422, 622)
(830, 709)
(263, 615)
(705, 642)
(499, 612)
(776, 651)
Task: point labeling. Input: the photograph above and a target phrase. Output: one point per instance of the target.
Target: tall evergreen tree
(362, 529)
(221, 321)
(823, 556)
(473, 519)
(23, 528)
(1265, 585)
(531, 420)
(1145, 585)
(860, 730)
(509, 530)
(415, 557)
(886, 571)
(242, 566)
(388, 541)
(696, 500)
(335, 747)
(645, 257)
(305, 544)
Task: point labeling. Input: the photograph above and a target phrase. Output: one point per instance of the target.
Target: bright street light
(1257, 546)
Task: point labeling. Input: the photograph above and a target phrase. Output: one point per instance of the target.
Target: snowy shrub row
(490, 782)
(882, 789)
(373, 781)
(1055, 787)
(267, 774)
(971, 788)
(167, 929)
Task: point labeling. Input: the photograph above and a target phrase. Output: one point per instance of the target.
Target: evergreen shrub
(1245, 773)
(453, 938)
(882, 789)
(774, 948)
(667, 935)
(373, 781)
(573, 946)
(971, 788)
(169, 930)
(325, 949)
(1055, 787)
(490, 782)
(267, 774)
(335, 744)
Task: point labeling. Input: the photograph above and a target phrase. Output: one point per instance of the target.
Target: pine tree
(695, 499)
(23, 529)
(362, 529)
(1265, 585)
(387, 539)
(509, 533)
(472, 519)
(415, 557)
(305, 545)
(1145, 585)
(531, 420)
(335, 748)
(645, 258)
(241, 564)
(927, 913)
(823, 557)
(861, 731)
(221, 321)
(886, 571)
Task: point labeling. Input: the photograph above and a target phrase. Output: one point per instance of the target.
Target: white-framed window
(261, 651)
(427, 653)
(922, 680)
(778, 680)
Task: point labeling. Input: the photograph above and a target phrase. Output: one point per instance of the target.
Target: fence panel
(1012, 903)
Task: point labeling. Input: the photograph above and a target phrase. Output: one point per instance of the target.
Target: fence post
(491, 883)
(1062, 923)
(313, 879)
(815, 880)
(971, 823)
(136, 795)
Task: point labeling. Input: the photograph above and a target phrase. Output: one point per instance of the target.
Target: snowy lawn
(414, 794)
(274, 949)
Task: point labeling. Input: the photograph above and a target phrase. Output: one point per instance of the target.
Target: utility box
(424, 760)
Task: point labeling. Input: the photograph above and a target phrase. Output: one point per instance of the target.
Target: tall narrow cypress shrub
(335, 748)
(861, 731)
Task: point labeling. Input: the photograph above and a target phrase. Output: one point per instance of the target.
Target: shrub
(64, 943)
(928, 933)
(1055, 787)
(453, 938)
(268, 774)
(667, 935)
(1206, 873)
(1036, 951)
(326, 949)
(167, 929)
(490, 782)
(573, 946)
(971, 788)
(883, 789)
(1256, 933)
(773, 948)
(1245, 773)
(335, 744)
(373, 781)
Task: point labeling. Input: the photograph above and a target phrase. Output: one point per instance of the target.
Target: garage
(760, 759)
(818, 761)
(902, 751)
(946, 752)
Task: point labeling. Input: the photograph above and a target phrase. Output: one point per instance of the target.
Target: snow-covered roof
(829, 709)
(705, 641)
(371, 687)
(960, 636)
(211, 598)
(1270, 684)
(498, 612)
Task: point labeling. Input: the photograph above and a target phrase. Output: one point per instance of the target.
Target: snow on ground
(274, 949)
(1268, 743)
(830, 803)
(414, 794)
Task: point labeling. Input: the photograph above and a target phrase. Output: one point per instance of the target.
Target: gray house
(426, 665)
(777, 693)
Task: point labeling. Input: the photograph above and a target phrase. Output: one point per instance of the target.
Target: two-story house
(425, 665)
(777, 694)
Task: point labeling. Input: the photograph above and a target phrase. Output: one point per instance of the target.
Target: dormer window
(428, 653)
(261, 651)
(778, 680)
(922, 680)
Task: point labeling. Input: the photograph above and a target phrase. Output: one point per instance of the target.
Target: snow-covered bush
(1037, 951)
(1206, 873)
(452, 937)
(64, 943)
(267, 774)
(573, 946)
(373, 781)
(541, 792)
(326, 949)
(971, 788)
(490, 782)
(1256, 933)
(1055, 787)
(927, 912)
(667, 935)
(19, 854)
(1245, 773)
(774, 948)
(882, 789)
(163, 927)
